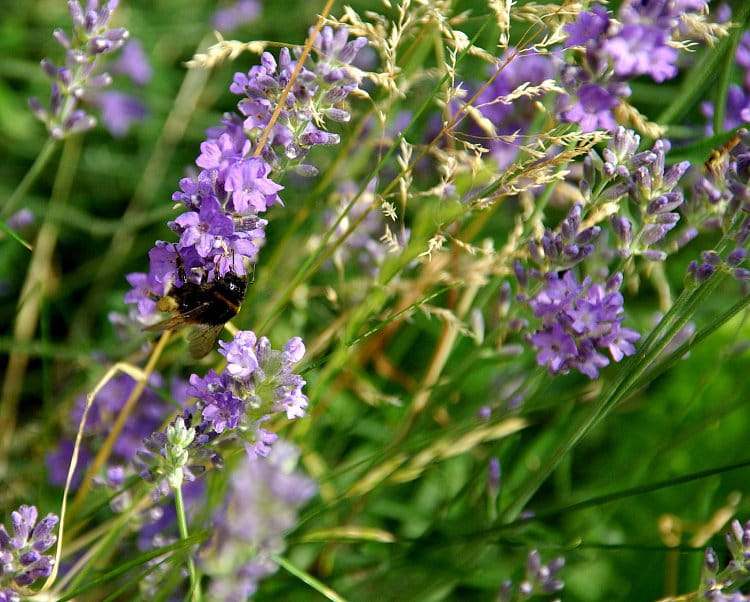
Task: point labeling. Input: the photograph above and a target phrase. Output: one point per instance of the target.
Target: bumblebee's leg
(182, 273)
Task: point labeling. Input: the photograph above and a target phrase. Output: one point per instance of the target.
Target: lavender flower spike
(22, 561)
(91, 38)
(264, 496)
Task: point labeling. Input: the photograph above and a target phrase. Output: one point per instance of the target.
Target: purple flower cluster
(649, 184)
(92, 37)
(257, 383)
(147, 415)
(577, 321)
(176, 455)
(568, 246)
(614, 53)
(723, 585)
(264, 497)
(222, 228)
(540, 579)
(22, 561)
(315, 95)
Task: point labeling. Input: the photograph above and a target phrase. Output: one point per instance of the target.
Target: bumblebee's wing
(174, 323)
(202, 339)
(178, 321)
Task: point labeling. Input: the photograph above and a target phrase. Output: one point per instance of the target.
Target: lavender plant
(442, 240)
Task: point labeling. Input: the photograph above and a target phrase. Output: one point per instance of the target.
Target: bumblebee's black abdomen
(212, 303)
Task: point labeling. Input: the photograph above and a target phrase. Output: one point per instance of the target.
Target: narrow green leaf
(309, 580)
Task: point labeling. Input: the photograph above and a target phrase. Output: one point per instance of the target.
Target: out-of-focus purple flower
(616, 52)
(664, 14)
(737, 109)
(236, 15)
(506, 118)
(589, 27)
(147, 415)
(119, 111)
(22, 561)
(639, 50)
(743, 51)
(264, 497)
(494, 472)
(133, 63)
(20, 219)
(58, 463)
(578, 320)
(593, 111)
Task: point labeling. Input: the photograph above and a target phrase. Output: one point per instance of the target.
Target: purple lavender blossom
(206, 229)
(119, 111)
(178, 454)
(91, 38)
(257, 383)
(21, 559)
(614, 53)
(590, 26)
(264, 497)
(593, 111)
(251, 187)
(133, 63)
(264, 379)
(650, 185)
(565, 248)
(737, 109)
(236, 15)
(723, 584)
(577, 321)
(540, 579)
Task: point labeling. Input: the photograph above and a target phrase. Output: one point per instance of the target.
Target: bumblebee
(204, 306)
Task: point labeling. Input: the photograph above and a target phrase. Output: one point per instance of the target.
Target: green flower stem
(36, 168)
(195, 590)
